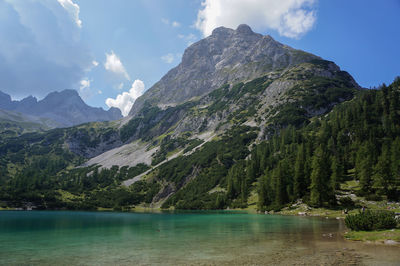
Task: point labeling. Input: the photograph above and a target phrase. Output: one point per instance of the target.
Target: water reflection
(171, 238)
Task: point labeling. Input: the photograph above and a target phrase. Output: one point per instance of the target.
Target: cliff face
(226, 56)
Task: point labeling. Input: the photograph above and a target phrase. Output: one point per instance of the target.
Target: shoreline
(380, 237)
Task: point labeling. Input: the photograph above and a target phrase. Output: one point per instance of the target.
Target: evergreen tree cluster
(360, 136)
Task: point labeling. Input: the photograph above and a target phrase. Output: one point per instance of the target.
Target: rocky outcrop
(226, 56)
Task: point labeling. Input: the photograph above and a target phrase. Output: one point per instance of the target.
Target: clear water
(109, 238)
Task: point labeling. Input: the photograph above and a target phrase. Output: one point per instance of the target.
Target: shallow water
(104, 238)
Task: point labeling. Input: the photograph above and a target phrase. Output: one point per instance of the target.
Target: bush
(371, 220)
(347, 202)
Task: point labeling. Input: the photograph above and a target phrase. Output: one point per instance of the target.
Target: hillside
(15, 123)
(267, 137)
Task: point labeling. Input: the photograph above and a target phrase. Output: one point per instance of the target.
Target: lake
(181, 238)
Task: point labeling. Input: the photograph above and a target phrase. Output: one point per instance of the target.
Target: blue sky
(117, 49)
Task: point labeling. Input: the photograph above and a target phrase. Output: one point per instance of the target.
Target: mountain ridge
(226, 56)
(65, 108)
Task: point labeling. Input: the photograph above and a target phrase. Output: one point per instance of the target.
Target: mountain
(65, 108)
(226, 56)
(281, 125)
(5, 101)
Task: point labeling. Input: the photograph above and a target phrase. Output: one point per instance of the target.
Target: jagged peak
(29, 99)
(66, 93)
(244, 29)
(221, 31)
(5, 95)
(114, 110)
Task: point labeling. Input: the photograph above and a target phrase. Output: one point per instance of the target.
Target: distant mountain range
(60, 109)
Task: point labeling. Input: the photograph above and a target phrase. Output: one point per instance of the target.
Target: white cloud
(73, 10)
(41, 39)
(114, 64)
(175, 24)
(291, 18)
(168, 58)
(92, 65)
(85, 83)
(84, 89)
(125, 100)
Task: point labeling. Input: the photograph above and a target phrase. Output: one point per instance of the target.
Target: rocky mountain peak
(5, 100)
(221, 31)
(65, 97)
(4, 96)
(225, 56)
(115, 112)
(29, 99)
(244, 29)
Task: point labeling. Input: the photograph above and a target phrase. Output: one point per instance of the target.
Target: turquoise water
(104, 238)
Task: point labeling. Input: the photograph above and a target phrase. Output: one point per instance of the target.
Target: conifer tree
(383, 172)
(320, 188)
(337, 173)
(364, 166)
(220, 201)
(265, 192)
(299, 185)
(395, 167)
(280, 185)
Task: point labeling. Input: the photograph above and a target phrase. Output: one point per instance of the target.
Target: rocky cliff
(226, 56)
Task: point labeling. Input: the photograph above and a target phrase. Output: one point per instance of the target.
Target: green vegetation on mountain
(15, 129)
(13, 124)
(271, 147)
(195, 175)
(169, 145)
(309, 163)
